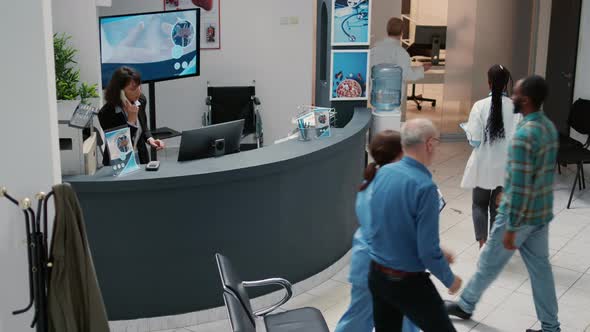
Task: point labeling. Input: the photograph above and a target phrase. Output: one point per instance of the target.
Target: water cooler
(386, 97)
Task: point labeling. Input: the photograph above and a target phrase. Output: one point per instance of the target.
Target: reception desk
(286, 210)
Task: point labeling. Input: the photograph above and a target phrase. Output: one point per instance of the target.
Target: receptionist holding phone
(125, 106)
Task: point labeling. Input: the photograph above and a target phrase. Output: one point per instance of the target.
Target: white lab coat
(486, 166)
(390, 50)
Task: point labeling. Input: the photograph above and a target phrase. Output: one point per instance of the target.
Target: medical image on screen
(160, 46)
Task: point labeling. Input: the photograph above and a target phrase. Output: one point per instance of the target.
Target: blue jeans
(533, 244)
(359, 315)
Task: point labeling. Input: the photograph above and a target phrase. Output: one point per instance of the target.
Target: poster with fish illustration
(348, 76)
(210, 19)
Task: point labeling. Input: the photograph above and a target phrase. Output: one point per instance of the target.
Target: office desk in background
(436, 75)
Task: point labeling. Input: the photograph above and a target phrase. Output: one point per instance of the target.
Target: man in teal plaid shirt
(525, 212)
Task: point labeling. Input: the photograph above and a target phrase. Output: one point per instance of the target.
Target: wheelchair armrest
(273, 281)
(258, 123)
(256, 100)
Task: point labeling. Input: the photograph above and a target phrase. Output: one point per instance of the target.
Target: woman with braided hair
(489, 130)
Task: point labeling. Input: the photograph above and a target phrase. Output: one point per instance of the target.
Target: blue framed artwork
(348, 75)
(351, 22)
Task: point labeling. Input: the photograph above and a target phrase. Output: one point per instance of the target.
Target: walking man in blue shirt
(403, 238)
(525, 212)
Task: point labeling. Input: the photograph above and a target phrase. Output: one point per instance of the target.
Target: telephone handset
(124, 98)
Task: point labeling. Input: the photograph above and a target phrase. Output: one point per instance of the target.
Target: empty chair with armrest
(243, 319)
(572, 152)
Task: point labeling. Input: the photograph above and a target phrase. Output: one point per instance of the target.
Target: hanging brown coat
(74, 299)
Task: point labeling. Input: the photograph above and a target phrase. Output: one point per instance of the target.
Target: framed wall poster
(210, 19)
(351, 22)
(348, 75)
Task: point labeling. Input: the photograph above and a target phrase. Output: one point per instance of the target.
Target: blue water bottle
(386, 91)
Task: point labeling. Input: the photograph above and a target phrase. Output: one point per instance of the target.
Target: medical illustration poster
(348, 77)
(351, 22)
(121, 151)
(210, 19)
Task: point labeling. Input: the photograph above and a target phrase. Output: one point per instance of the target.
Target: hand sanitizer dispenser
(386, 97)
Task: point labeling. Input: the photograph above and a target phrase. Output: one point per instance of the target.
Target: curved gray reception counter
(285, 210)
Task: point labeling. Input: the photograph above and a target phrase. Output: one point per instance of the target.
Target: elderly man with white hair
(403, 238)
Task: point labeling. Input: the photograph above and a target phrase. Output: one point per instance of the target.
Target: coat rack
(37, 256)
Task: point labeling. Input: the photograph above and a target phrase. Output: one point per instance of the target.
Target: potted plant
(70, 91)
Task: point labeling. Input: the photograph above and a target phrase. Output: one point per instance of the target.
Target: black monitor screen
(161, 45)
(210, 141)
(425, 35)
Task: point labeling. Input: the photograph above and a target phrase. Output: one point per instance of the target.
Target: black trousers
(415, 297)
(484, 200)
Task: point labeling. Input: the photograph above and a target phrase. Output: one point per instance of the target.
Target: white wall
(430, 12)
(543, 27)
(29, 131)
(459, 59)
(494, 37)
(254, 46)
(382, 11)
(479, 34)
(582, 85)
(503, 34)
(83, 28)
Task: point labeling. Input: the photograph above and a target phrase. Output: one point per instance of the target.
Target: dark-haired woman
(125, 106)
(385, 148)
(489, 130)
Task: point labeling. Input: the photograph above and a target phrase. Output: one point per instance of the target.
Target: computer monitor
(160, 45)
(433, 37)
(211, 141)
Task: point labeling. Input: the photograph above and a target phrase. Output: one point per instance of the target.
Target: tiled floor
(508, 304)
(447, 115)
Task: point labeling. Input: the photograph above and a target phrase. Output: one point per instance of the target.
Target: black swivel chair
(243, 319)
(428, 41)
(572, 152)
(230, 103)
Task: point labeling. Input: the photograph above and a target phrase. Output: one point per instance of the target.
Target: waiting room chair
(243, 319)
(572, 152)
(230, 103)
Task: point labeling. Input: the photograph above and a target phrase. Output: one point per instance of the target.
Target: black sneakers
(453, 309)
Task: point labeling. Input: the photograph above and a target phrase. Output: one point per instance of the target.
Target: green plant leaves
(67, 77)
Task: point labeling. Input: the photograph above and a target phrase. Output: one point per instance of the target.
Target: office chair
(428, 41)
(230, 103)
(243, 319)
(572, 152)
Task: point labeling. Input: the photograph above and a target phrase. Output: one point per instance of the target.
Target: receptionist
(125, 106)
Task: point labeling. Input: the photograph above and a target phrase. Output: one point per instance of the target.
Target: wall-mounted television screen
(160, 45)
